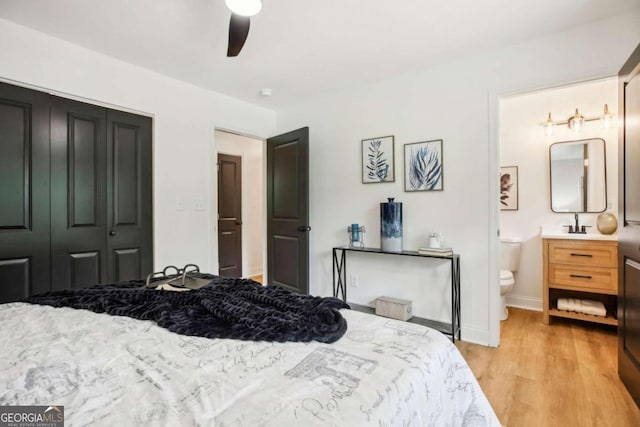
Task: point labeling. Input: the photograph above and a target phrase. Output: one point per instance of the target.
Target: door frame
(493, 98)
(214, 256)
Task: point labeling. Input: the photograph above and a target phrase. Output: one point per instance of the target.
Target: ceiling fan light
(244, 7)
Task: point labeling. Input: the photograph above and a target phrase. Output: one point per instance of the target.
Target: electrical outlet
(354, 280)
(179, 205)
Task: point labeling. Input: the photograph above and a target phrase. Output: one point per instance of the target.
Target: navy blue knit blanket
(226, 308)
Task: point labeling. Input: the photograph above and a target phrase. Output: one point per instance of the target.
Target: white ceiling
(300, 48)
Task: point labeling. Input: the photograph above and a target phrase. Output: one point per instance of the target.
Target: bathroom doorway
(241, 237)
(523, 153)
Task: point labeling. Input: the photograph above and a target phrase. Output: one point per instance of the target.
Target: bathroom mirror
(578, 176)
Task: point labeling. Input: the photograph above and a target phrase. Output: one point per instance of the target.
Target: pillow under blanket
(226, 308)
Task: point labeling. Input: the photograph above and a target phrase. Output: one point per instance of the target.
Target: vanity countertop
(563, 234)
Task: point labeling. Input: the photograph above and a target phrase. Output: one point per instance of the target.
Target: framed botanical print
(509, 188)
(378, 160)
(423, 167)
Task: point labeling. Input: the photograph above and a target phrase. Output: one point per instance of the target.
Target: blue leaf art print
(378, 167)
(423, 166)
(377, 160)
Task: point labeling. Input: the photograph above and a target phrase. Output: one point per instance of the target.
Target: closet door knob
(112, 233)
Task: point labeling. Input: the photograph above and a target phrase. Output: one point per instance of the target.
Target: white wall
(184, 120)
(523, 143)
(251, 152)
(458, 103)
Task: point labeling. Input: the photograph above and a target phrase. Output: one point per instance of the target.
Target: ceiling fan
(241, 13)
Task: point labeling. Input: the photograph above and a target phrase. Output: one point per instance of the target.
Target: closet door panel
(126, 165)
(15, 168)
(128, 265)
(78, 188)
(85, 269)
(129, 190)
(24, 192)
(15, 280)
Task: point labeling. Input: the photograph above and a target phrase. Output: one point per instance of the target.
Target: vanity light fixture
(577, 121)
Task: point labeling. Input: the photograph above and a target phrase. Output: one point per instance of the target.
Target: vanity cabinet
(585, 269)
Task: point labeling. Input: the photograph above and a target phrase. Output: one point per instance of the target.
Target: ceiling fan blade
(238, 32)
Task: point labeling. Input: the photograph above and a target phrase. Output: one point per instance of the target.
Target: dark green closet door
(24, 192)
(129, 195)
(78, 194)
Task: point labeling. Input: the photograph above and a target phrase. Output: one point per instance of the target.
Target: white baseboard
(528, 303)
(476, 336)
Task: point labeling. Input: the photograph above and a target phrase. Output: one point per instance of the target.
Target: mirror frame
(606, 196)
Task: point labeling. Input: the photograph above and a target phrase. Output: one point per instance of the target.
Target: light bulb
(244, 7)
(576, 122)
(548, 127)
(607, 118)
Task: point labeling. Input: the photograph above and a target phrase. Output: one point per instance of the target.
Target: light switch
(198, 204)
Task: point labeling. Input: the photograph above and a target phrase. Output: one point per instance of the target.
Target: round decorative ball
(607, 223)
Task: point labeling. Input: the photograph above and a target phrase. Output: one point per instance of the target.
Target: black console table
(340, 285)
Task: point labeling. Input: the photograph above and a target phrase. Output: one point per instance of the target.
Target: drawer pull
(587, 255)
(579, 276)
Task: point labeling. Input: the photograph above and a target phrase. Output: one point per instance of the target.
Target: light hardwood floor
(257, 278)
(564, 374)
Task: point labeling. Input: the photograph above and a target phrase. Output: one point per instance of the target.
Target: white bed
(118, 371)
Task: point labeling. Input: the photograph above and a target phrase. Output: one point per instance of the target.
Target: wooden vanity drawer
(584, 278)
(581, 253)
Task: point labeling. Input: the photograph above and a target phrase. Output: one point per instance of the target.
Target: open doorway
(531, 204)
(240, 161)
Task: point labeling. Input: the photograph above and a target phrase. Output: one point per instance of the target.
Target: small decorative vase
(607, 223)
(391, 226)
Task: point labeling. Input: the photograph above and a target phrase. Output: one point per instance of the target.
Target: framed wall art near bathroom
(423, 166)
(509, 188)
(378, 160)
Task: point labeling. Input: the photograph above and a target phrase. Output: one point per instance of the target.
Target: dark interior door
(288, 211)
(24, 193)
(129, 196)
(78, 188)
(229, 215)
(629, 232)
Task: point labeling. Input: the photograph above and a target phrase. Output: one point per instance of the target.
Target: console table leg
(333, 272)
(458, 292)
(339, 270)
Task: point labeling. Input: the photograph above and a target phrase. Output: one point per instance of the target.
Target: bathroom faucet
(577, 228)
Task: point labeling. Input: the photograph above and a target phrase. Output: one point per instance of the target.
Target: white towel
(585, 306)
(595, 308)
(563, 304)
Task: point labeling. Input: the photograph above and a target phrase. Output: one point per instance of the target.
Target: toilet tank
(510, 253)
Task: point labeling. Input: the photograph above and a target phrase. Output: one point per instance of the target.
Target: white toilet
(509, 262)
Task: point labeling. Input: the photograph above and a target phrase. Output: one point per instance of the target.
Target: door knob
(112, 233)
(304, 228)
(238, 222)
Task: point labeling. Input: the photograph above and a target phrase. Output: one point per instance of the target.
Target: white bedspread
(118, 371)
